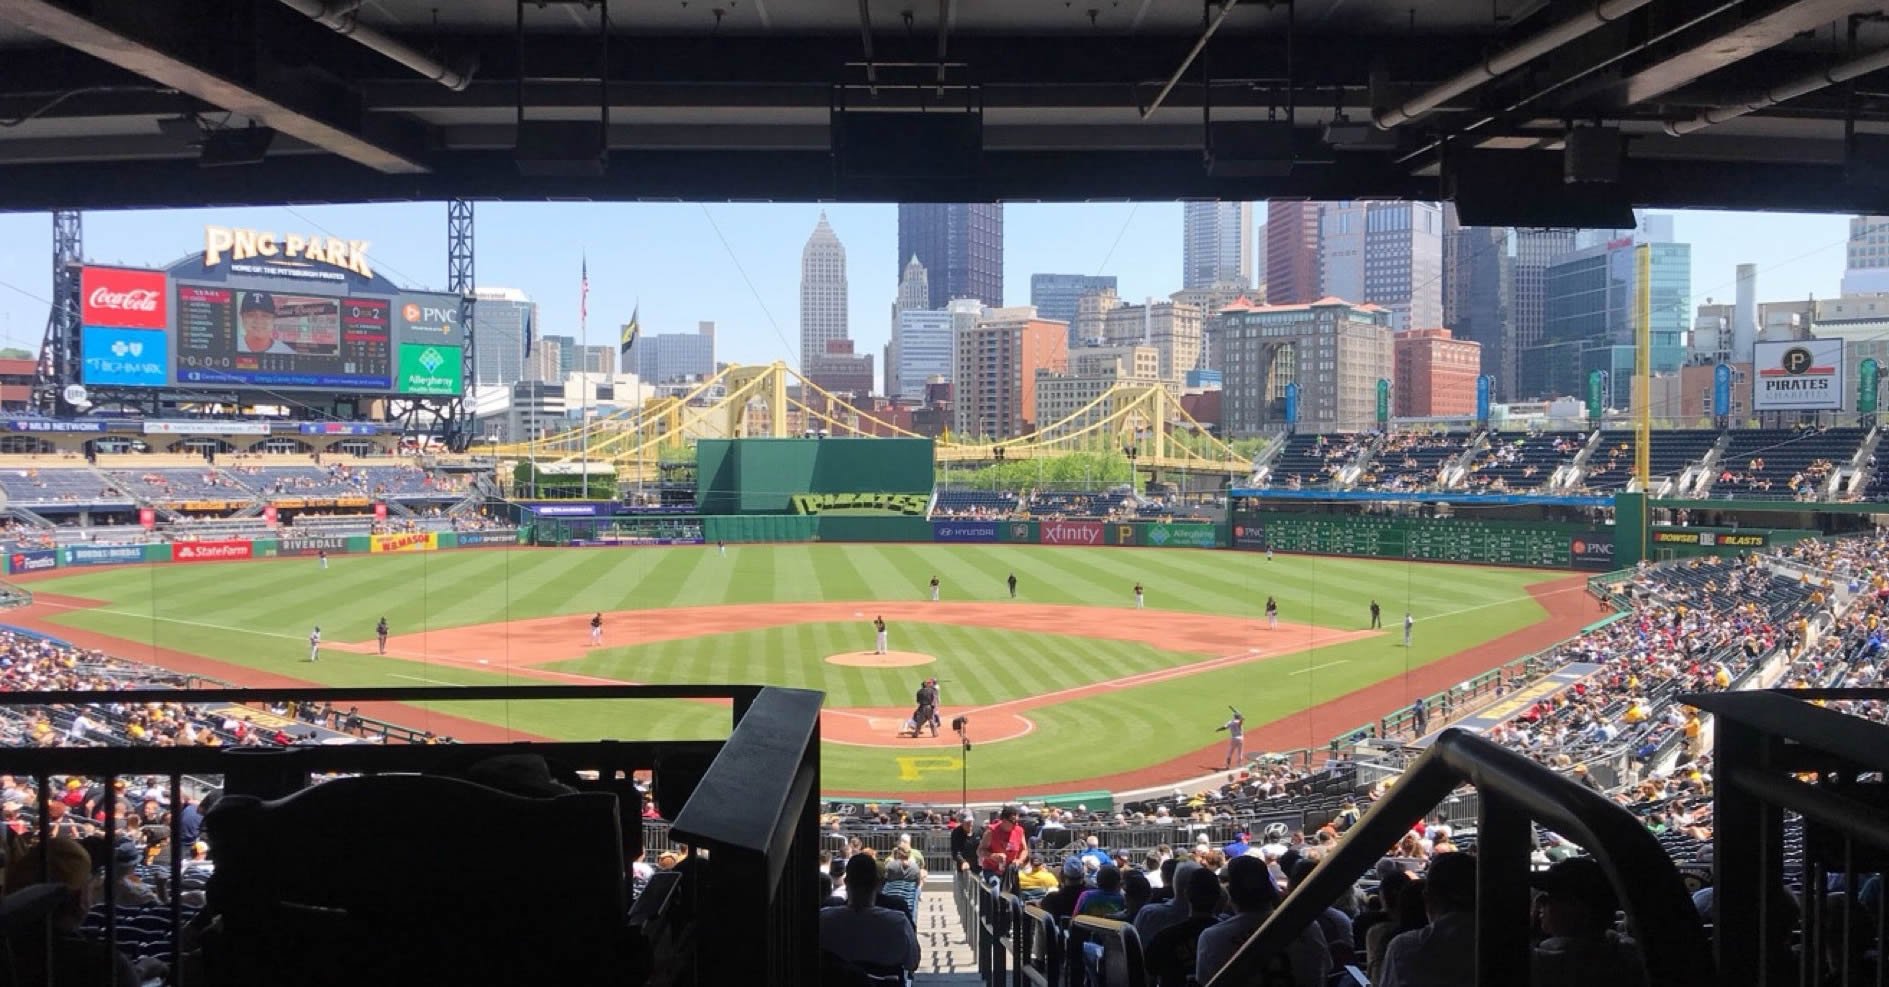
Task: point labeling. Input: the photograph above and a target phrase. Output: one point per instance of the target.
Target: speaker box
(1250, 149)
(560, 149)
(939, 144)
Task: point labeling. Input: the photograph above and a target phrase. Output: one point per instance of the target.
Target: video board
(230, 336)
(306, 323)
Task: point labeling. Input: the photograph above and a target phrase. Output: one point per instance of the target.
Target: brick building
(1435, 374)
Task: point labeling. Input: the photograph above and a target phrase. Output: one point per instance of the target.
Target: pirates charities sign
(223, 243)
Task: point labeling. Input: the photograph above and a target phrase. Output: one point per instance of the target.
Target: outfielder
(934, 589)
(314, 644)
(380, 634)
(1138, 597)
(1272, 614)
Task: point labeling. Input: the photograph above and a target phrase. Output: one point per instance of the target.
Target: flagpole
(583, 364)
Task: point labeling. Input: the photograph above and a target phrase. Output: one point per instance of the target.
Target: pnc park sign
(223, 243)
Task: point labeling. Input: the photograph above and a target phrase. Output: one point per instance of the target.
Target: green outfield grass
(258, 614)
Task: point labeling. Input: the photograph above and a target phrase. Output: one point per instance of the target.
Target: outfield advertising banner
(35, 561)
(468, 539)
(1249, 535)
(212, 551)
(101, 554)
(312, 544)
(1069, 532)
(1180, 536)
(1592, 550)
(1805, 375)
(962, 531)
(410, 541)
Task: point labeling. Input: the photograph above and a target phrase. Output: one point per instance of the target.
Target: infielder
(596, 628)
(1236, 738)
(1138, 597)
(314, 644)
(1272, 614)
(934, 589)
(878, 629)
(380, 634)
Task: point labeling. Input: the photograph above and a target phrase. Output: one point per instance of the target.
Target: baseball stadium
(1118, 625)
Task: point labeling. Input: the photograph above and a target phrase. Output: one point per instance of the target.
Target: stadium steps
(944, 955)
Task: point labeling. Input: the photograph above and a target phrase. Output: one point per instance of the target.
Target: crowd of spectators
(1410, 461)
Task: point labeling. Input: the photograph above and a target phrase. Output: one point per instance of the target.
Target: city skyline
(697, 263)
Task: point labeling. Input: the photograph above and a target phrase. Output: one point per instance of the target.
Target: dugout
(763, 476)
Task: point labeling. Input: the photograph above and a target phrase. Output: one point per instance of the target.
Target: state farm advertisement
(120, 298)
(1069, 533)
(211, 551)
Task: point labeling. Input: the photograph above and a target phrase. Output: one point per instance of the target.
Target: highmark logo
(122, 349)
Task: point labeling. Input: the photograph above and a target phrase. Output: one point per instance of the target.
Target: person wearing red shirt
(1004, 844)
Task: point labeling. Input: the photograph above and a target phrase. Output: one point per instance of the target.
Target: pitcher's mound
(891, 659)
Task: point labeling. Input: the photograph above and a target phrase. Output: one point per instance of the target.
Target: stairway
(944, 954)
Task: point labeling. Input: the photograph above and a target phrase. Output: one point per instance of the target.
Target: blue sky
(671, 258)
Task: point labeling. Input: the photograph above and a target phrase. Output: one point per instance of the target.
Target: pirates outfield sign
(221, 243)
(1802, 375)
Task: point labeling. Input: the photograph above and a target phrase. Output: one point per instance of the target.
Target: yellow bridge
(757, 401)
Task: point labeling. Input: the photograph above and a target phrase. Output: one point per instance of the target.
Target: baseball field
(1067, 685)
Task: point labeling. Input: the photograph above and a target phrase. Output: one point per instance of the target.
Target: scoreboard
(1520, 543)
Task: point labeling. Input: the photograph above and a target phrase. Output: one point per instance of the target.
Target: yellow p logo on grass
(911, 768)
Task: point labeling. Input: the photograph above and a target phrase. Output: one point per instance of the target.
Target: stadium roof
(1761, 103)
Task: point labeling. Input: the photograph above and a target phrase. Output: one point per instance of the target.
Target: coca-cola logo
(137, 300)
(122, 299)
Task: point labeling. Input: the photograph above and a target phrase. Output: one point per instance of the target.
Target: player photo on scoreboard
(291, 324)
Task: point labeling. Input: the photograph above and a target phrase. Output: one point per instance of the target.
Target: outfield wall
(1540, 544)
(236, 550)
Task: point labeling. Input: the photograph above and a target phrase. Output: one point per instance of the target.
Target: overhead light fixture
(229, 148)
(1592, 154)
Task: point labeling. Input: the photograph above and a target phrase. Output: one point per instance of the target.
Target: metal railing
(1783, 758)
(1514, 792)
(748, 801)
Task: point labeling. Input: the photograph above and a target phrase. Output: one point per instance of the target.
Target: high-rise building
(921, 345)
(913, 296)
(1588, 311)
(822, 293)
(545, 365)
(839, 371)
(996, 360)
(1210, 301)
(1335, 351)
(574, 357)
(664, 358)
(1217, 244)
(1866, 261)
(1093, 371)
(1341, 250)
(1058, 296)
(1292, 276)
(1435, 375)
(1479, 288)
(1091, 312)
(961, 246)
(1403, 262)
(1174, 329)
(1259, 263)
(1534, 251)
(500, 317)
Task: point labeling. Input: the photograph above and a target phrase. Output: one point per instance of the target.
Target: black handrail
(1514, 791)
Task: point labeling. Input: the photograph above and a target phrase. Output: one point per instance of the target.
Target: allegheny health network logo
(1158, 535)
(431, 360)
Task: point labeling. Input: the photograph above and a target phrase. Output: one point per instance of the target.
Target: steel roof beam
(214, 55)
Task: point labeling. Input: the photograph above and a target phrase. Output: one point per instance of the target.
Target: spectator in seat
(1034, 880)
(1172, 955)
(75, 960)
(860, 931)
(1135, 891)
(1254, 895)
(1073, 882)
(1105, 900)
(1576, 908)
(1443, 953)
(1155, 917)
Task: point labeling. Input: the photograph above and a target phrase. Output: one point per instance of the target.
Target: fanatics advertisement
(964, 531)
(212, 551)
(35, 561)
(1798, 376)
